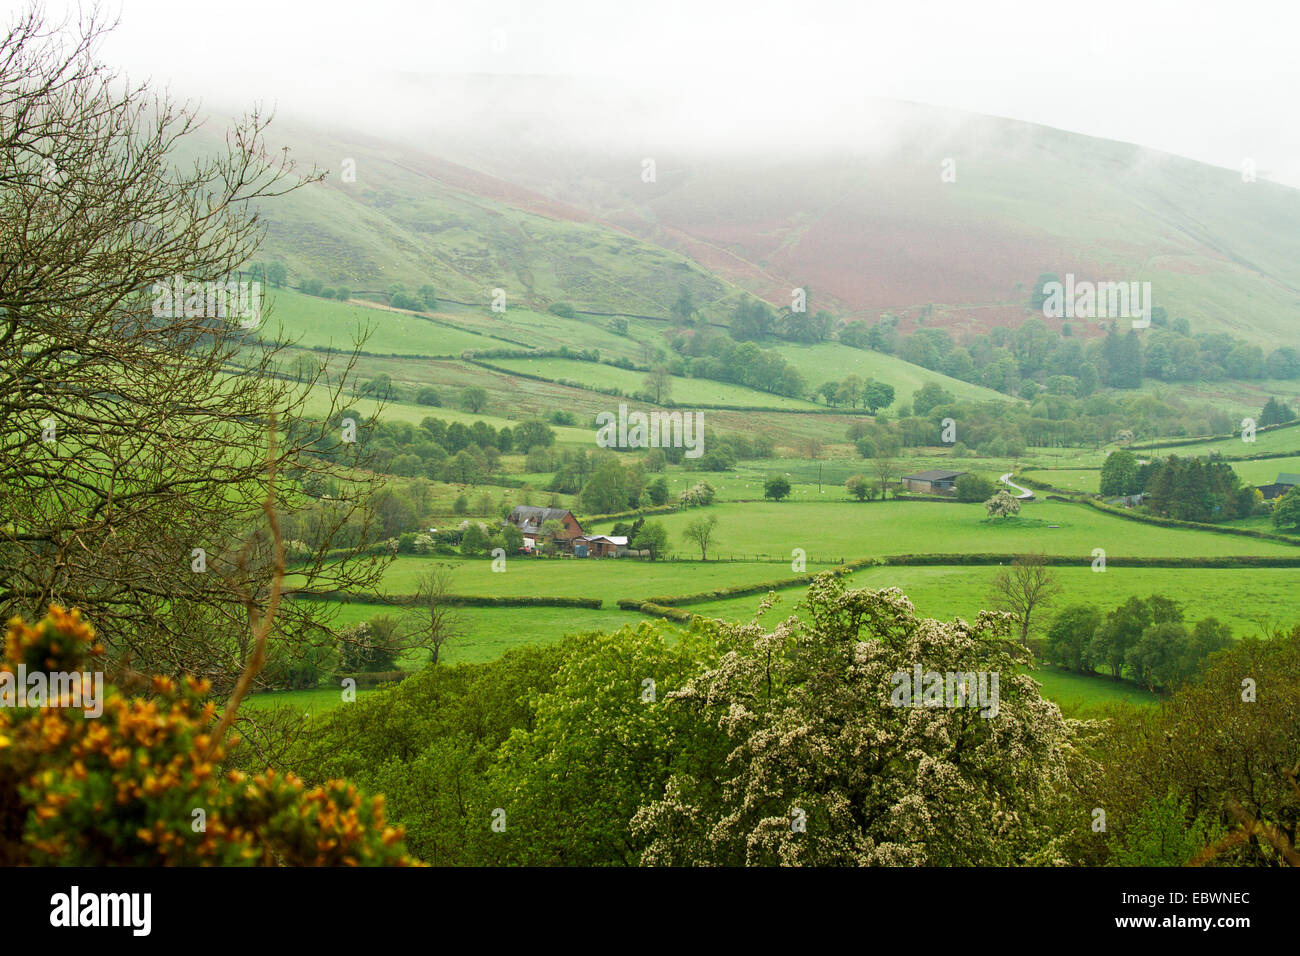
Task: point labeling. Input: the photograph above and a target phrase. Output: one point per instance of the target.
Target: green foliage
(701, 533)
(1286, 511)
(791, 715)
(1166, 832)
(658, 491)
(860, 487)
(1218, 742)
(1119, 474)
(652, 537)
(1070, 635)
(473, 399)
(776, 487)
(974, 487)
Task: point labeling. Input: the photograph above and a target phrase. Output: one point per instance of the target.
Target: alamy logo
(103, 909)
(1100, 300)
(80, 689)
(212, 300)
(947, 689)
(656, 430)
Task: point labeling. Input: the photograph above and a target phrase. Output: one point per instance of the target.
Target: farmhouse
(937, 482)
(530, 520)
(1285, 482)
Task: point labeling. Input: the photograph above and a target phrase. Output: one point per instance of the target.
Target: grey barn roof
(937, 475)
(532, 518)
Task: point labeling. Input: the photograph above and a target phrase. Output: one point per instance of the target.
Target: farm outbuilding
(1285, 482)
(936, 482)
(601, 545)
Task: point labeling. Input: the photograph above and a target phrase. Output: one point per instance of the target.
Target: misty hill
(557, 212)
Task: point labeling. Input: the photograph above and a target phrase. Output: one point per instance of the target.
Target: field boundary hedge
(1209, 438)
(675, 601)
(454, 600)
(619, 393)
(1176, 523)
(1065, 560)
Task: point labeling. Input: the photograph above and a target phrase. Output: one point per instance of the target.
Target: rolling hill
(867, 228)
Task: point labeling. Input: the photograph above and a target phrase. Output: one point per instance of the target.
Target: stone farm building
(530, 520)
(938, 482)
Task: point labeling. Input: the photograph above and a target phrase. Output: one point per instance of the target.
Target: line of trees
(1145, 639)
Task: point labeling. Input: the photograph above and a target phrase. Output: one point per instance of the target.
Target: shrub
(156, 761)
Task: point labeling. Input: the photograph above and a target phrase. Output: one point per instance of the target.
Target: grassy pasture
(610, 579)
(1239, 598)
(488, 632)
(685, 391)
(410, 412)
(1286, 439)
(312, 321)
(545, 330)
(832, 361)
(853, 530)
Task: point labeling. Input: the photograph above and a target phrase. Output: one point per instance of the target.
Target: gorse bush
(141, 785)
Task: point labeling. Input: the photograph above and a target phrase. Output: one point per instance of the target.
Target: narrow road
(1025, 493)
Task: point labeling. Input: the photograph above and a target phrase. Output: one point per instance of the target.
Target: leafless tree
(1026, 586)
(131, 465)
(658, 384)
(885, 468)
(432, 620)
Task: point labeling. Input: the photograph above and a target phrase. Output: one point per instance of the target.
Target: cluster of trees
(698, 495)
(1003, 430)
(478, 539)
(642, 535)
(721, 358)
(1187, 489)
(272, 275)
(424, 298)
(753, 320)
(854, 391)
(441, 450)
(694, 747)
(1025, 360)
(613, 488)
(1144, 639)
(1275, 413)
(318, 288)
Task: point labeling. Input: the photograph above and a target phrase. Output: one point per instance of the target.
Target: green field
(609, 579)
(685, 391)
(1243, 599)
(485, 633)
(308, 701)
(1286, 439)
(310, 321)
(856, 530)
(833, 362)
(316, 404)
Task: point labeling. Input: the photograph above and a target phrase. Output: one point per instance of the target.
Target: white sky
(1215, 81)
